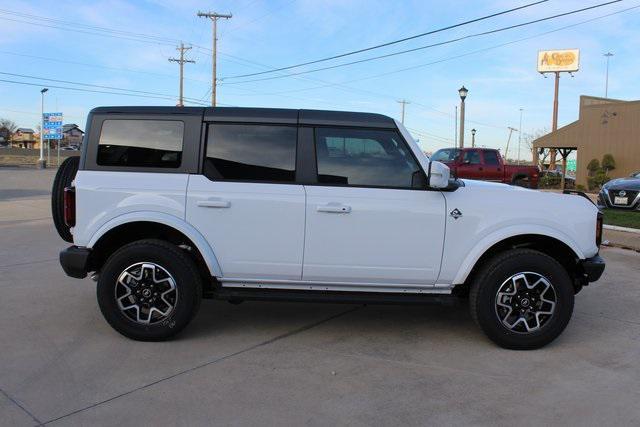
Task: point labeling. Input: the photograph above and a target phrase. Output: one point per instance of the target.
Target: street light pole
(41, 161)
(463, 94)
(606, 84)
(473, 138)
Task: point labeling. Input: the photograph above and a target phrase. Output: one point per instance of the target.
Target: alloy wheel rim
(525, 302)
(146, 293)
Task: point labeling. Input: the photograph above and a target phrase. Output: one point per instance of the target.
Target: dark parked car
(621, 193)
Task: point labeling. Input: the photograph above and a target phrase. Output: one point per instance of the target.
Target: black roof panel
(264, 115)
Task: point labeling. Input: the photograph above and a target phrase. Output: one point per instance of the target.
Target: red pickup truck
(486, 164)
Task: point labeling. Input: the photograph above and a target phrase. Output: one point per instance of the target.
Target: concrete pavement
(289, 364)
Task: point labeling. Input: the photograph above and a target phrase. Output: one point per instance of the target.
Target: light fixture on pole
(463, 91)
(473, 138)
(41, 161)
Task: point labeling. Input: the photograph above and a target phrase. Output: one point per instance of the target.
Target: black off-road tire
(177, 263)
(522, 181)
(487, 282)
(64, 177)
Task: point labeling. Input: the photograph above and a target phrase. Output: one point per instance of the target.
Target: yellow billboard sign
(550, 61)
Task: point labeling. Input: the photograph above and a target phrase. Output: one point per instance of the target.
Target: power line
(125, 91)
(129, 70)
(353, 52)
(86, 90)
(38, 18)
(39, 24)
(343, 84)
(457, 39)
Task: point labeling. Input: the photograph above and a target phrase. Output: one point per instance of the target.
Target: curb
(625, 229)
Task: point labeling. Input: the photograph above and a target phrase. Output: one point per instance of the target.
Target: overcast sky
(275, 33)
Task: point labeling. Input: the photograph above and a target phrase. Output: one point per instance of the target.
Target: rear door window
(141, 143)
(471, 157)
(491, 158)
(252, 153)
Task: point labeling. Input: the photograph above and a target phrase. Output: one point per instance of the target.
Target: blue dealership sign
(52, 120)
(52, 124)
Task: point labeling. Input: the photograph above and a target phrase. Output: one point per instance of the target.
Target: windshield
(445, 155)
(636, 174)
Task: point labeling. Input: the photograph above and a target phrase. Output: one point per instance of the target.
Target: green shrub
(593, 166)
(608, 163)
(549, 181)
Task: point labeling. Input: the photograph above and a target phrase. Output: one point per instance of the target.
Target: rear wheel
(522, 299)
(522, 181)
(64, 177)
(149, 290)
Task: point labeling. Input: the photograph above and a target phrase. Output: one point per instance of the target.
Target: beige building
(604, 126)
(24, 138)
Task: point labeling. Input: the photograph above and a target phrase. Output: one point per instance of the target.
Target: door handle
(480, 168)
(215, 203)
(334, 208)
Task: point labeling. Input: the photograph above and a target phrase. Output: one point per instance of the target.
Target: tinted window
(491, 158)
(472, 157)
(251, 153)
(142, 143)
(364, 157)
(445, 155)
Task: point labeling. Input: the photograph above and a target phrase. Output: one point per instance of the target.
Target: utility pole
(214, 19)
(520, 136)
(182, 49)
(506, 151)
(403, 102)
(606, 84)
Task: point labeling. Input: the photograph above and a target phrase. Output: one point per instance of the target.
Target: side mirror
(439, 174)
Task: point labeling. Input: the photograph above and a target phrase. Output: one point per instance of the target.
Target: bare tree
(528, 139)
(9, 127)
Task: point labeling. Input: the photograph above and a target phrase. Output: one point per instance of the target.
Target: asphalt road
(291, 364)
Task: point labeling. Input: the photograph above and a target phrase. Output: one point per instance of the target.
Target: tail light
(70, 206)
(599, 222)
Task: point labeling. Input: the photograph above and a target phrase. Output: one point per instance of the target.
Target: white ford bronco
(166, 206)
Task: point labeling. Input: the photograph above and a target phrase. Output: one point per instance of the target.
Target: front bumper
(593, 268)
(75, 261)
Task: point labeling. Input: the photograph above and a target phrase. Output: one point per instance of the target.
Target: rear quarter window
(141, 143)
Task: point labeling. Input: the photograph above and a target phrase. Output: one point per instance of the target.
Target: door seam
(304, 234)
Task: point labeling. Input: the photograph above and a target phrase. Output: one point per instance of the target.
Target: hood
(489, 184)
(628, 183)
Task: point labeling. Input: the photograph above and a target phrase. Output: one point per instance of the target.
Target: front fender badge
(456, 213)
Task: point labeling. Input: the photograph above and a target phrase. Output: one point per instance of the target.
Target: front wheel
(522, 299)
(149, 290)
